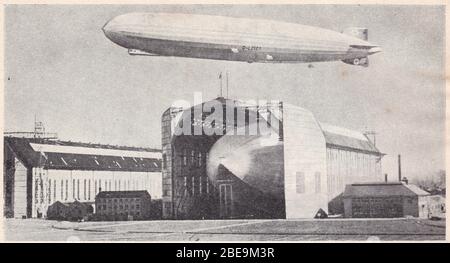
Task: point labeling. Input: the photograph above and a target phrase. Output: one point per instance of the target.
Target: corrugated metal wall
(347, 167)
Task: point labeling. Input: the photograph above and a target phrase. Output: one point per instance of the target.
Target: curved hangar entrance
(231, 159)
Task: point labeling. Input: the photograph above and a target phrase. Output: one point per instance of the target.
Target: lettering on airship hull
(251, 48)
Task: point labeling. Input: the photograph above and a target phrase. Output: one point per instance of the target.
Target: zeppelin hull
(229, 40)
(229, 52)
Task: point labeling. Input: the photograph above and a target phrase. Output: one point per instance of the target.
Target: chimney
(405, 180)
(385, 178)
(399, 168)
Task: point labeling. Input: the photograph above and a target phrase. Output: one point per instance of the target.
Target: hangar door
(226, 200)
(377, 207)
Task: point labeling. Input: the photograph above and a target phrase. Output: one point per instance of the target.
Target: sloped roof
(380, 190)
(122, 194)
(79, 156)
(345, 138)
(416, 189)
(59, 203)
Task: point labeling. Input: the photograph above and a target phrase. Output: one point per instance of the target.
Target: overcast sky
(61, 67)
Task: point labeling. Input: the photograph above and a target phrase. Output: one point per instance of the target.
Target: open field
(225, 230)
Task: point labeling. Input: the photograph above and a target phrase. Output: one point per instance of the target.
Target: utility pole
(399, 168)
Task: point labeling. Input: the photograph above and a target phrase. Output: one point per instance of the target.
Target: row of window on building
(195, 186)
(52, 194)
(126, 207)
(193, 158)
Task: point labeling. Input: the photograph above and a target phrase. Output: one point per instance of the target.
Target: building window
(184, 157)
(54, 190)
(193, 157)
(89, 189)
(84, 189)
(36, 190)
(73, 188)
(317, 179)
(49, 191)
(199, 159)
(62, 189)
(78, 189)
(119, 185)
(40, 185)
(109, 185)
(67, 189)
(185, 186)
(193, 185)
(164, 161)
(300, 182)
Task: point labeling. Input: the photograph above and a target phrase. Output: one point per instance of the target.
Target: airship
(237, 39)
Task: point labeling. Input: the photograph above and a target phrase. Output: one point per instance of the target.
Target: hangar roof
(382, 189)
(335, 137)
(344, 138)
(53, 154)
(122, 194)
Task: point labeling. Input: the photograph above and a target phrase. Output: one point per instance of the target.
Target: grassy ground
(225, 230)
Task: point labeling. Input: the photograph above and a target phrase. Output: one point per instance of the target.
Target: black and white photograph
(224, 123)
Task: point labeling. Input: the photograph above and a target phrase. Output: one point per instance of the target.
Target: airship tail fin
(358, 32)
(364, 62)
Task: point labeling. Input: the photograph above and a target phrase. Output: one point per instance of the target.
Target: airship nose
(107, 29)
(120, 23)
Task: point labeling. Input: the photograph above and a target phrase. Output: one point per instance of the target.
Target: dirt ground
(225, 230)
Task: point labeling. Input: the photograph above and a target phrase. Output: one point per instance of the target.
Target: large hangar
(39, 172)
(234, 159)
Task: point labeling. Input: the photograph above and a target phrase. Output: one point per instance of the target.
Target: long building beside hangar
(39, 172)
(290, 168)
